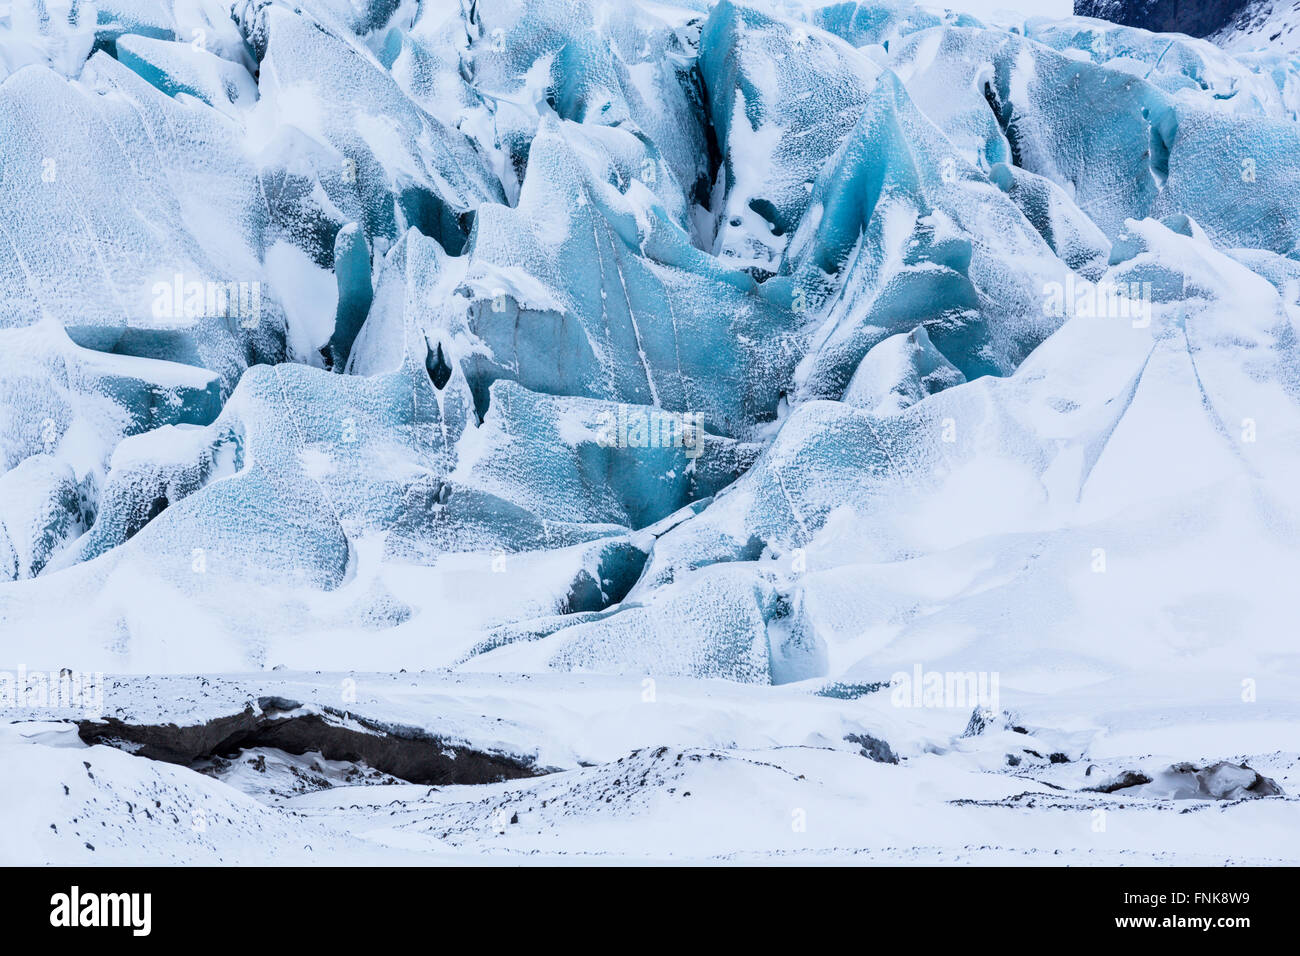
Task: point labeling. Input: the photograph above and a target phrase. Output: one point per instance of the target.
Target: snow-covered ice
(635, 431)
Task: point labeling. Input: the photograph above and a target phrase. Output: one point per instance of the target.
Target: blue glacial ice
(781, 99)
(758, 341)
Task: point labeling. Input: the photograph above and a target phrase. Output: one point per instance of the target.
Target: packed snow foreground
(536, 429)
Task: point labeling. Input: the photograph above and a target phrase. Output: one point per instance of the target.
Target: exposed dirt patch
(408, 753)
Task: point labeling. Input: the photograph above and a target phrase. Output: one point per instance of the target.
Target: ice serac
(1191, 70)
(1170, 105)
(1099, 428)
(368, 24)
(63, 411)
(407, 318)
(403, 166)
(178, 69)
(782, 96)
(588, 288)
(593, 62)
(42, 509)
(898, 372)
(355, 291)
(1076, 239)
(713, 627)
(546, 471)
(1003, 99)
(207, 24)
(57, 33)
(1237, 177)
(580, 459)
(139, 275)
(881, 22)
(330, 504)
(56, 390)
(150, 472)
(313, 492)
(902, 231)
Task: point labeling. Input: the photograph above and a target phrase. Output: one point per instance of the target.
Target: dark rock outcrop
(1196, 18)
(409, 753)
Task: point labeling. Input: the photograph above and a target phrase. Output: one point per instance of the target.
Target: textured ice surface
(58, 34)
(881, 23)
(898, 372)
(402, 165)
(1185, 67)
(1083, 454)
(781, 98)
(1075, 238)
(702, 771)
(185, 209)
(904, 231)
(1002, 99)
(565, 272)
(589, 268)
(735, 355)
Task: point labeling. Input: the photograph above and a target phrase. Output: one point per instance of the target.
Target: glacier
(586, 380)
